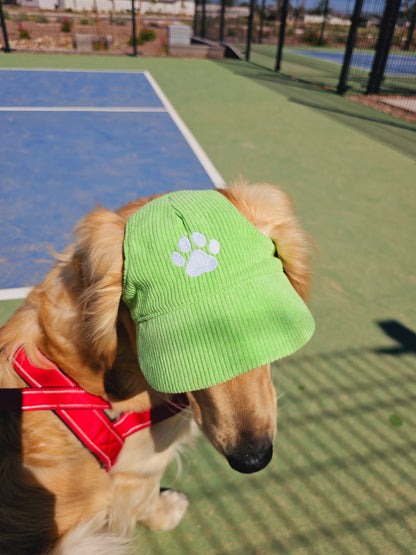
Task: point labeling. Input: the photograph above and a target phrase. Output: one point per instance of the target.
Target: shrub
(41, 18)
(66, 25)
(20, 16)
(139, 41)
(103, 44)
(23, 33)
(147, 35)
(312, 36)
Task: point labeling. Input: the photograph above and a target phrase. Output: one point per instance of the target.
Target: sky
(342, 6)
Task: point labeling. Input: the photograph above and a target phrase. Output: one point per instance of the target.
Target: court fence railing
(375, 38)
(356, 46)
(120, 27)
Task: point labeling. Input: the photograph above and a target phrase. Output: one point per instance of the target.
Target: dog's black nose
(249, 461)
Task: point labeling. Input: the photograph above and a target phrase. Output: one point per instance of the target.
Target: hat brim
(240, 330)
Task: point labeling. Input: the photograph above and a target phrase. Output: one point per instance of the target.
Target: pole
(139, 15)
(196, 18)
(355, 20)
(383, 46)
(203, 18)
(222, 20)
(250, 29)
(283, 17)
(4, 29)
(325, 15)
(263, 3)
(133, 21)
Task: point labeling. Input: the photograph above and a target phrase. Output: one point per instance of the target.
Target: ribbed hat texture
(209, 298)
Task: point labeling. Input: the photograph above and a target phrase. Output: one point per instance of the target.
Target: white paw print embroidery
(199, 262)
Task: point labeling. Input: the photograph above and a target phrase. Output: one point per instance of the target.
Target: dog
(55, 496)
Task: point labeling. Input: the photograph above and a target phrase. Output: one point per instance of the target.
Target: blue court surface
(70, 140)
(403, 65)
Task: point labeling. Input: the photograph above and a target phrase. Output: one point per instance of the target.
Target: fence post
(355, 20)
(383, 46)
(250, 29)
(3, 26)
(263, 5)
(203, 18)
(282, 29)
(196, 18)
(133, 20)
(222, 20)
(324, 16)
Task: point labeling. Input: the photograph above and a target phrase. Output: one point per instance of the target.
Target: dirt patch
(388, 105)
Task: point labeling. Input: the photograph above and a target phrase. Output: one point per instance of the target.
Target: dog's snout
(250, 460)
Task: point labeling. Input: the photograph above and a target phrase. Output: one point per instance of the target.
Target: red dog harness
(83, 413)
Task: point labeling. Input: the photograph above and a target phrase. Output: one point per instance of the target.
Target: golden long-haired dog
(54, 495)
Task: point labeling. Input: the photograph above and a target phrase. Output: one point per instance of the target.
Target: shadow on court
(386, 129)
(405, 338)
(342, 478)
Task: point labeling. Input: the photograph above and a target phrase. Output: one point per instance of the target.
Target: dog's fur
(53, 494)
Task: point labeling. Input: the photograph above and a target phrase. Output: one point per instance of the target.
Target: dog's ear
(98, 263)
(270, 210)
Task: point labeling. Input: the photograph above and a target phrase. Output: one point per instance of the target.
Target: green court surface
(342, 480)
(304, 68)
(326, 73)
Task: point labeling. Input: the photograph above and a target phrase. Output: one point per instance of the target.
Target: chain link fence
(399, 75)
(92, 26)
(365, 47)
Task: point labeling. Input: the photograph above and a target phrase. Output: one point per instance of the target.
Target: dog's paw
(170, 509)
(174, 505)
(199, 262)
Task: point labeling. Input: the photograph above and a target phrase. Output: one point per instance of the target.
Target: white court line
(209, 167)
(74, 70)
(206, 163)
(12, 294)
(78, 109)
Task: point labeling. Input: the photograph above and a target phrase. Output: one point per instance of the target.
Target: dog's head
(237, 412)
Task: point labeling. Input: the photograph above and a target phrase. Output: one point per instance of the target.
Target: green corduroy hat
(207, 293)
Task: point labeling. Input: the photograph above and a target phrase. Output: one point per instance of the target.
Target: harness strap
(131, 422)
(83, 413)
(50, 398)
